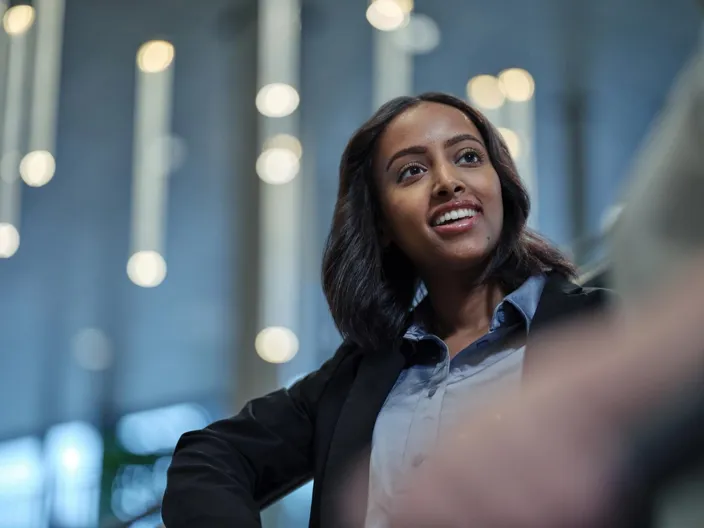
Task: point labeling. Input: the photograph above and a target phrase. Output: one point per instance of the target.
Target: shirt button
(417, 461)
(432, 392)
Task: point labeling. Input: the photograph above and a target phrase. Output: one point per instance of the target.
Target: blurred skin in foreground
(549, 456)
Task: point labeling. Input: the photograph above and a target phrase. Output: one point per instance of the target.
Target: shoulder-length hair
(371, 289)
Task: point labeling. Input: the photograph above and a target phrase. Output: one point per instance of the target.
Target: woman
(429, 197)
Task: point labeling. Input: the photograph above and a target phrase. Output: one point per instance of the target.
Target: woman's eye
(410, 171)
(470, 157)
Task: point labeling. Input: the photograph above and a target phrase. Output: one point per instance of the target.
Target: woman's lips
(458, 226)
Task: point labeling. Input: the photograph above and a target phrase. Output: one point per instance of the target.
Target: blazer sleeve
(223, 475)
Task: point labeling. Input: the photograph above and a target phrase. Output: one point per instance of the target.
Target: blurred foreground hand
(549, 456)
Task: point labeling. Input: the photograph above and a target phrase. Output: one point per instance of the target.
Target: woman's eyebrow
(417, 149)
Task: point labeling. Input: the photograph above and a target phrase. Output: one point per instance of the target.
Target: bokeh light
(155, 56)
(513, 142)
(517, 84)
(386, 15)
(18, 19)
(484, 91)
(37, 168)
(277, 100)
(9, 240)
(276, 344)
(278, 166)
(420, 35)
(285, 141)
(146, 269)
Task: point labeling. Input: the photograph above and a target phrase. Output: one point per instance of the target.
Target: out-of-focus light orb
(277, 100)
(91, 349)
(155, 56)
(37, 168)
(277, 166)
(9, 240)
(18, 19)
(513, 142)
(146, 269)
(517, 84)
(405, 5)
(285, 141)
(484, 91)
(70, 459)
(276, 344)
(157, 430)
(387, 15)
(421, 35)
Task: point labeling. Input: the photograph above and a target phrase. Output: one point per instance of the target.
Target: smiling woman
(428, 194)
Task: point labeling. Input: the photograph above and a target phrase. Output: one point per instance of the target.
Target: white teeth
(454, 215)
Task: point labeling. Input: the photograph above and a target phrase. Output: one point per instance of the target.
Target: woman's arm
(224, 474)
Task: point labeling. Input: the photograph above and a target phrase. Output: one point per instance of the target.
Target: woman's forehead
(425, 124)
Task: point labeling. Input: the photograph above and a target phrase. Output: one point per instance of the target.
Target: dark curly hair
(371, 290)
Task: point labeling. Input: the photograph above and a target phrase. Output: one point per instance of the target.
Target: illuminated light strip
(281, 214)
(152, 128)
(45, 100)
(10, 185)
(392, 69)
(519, 116)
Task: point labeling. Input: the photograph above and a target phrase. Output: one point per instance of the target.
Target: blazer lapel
(559, 296)
(353, 433)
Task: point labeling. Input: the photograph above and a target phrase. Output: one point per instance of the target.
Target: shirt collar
(523, 300)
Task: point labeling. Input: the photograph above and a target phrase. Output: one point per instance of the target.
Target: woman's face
(440, 195)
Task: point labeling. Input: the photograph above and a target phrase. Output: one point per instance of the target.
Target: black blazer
(223, 475)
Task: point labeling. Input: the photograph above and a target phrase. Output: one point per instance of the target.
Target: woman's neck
(462, 307)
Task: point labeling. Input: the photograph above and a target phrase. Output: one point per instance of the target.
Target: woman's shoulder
(563, 299)
(601, 298)
(332, 373)
(590, 285)
(595, 286)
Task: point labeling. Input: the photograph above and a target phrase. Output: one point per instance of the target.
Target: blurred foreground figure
(559, 454)
(663, 222)
(660, 229)
(556, 454)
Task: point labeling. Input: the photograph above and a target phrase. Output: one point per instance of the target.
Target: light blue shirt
(429, 394)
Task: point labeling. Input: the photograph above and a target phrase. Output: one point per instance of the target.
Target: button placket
(426, 420)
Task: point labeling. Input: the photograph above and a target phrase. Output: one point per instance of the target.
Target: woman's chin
(466, 259)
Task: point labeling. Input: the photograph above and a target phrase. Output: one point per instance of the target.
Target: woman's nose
(447, 183)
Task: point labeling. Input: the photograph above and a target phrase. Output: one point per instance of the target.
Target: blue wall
(177, 342)
(171, 343)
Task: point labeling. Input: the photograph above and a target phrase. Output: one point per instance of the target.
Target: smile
(454, 216)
